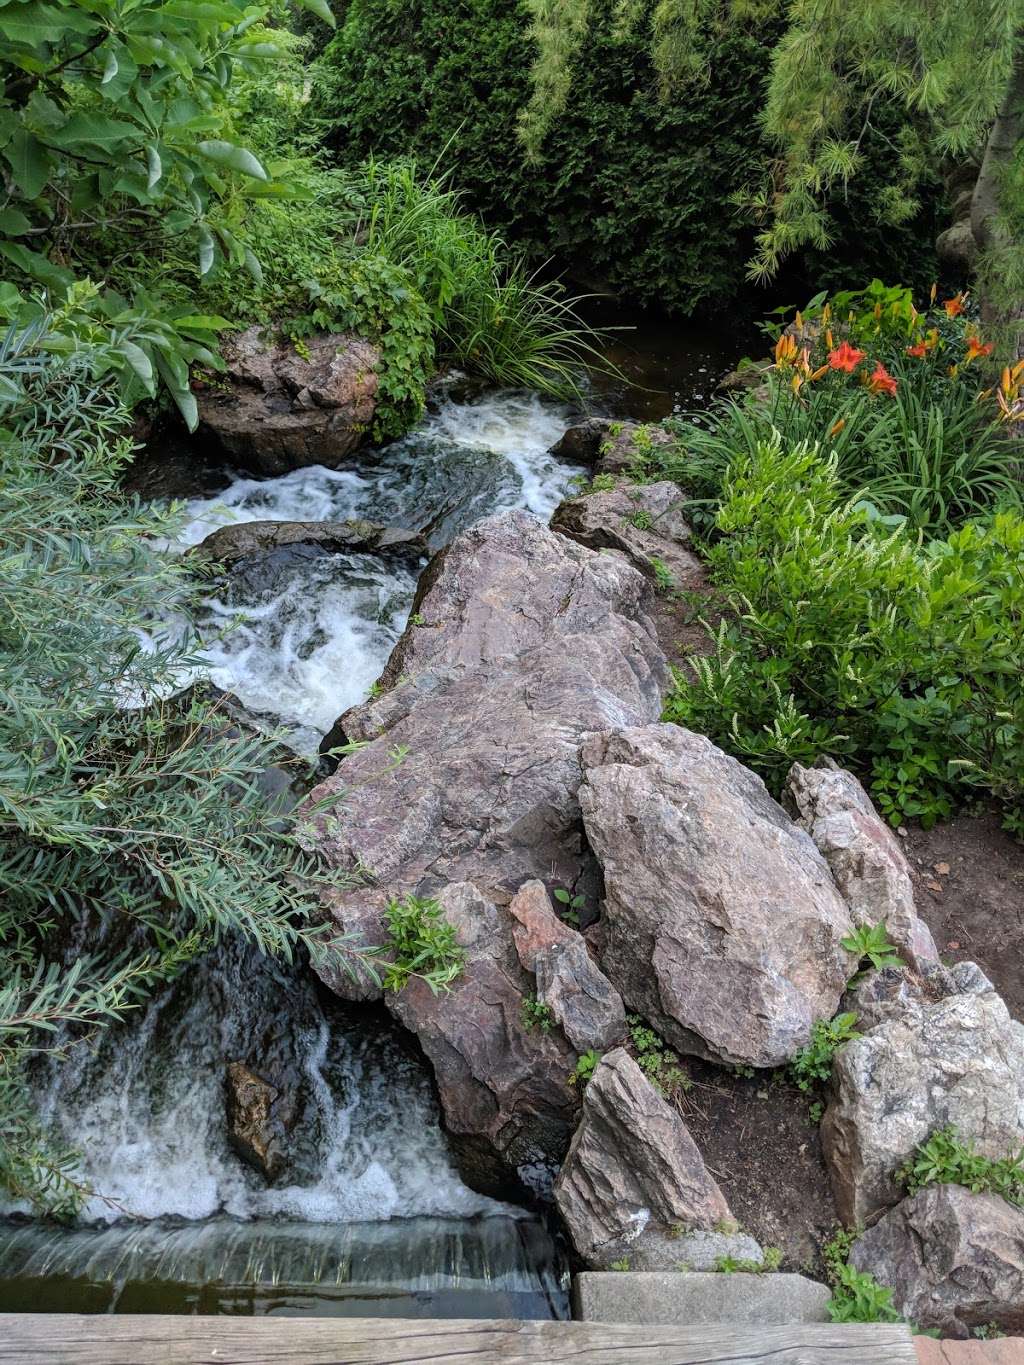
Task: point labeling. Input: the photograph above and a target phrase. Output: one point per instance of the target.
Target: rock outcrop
(643, 521)
(610, 447)
(947, 1055)
(503, 1085)
(469, 780)
(954, 1260)
(634, 1181)
(277, 409)
(241, 540)
(867, 862)
(722, 924)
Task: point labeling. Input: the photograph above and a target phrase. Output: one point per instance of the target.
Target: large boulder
(633, 1182)
(722, 924)
(644, 522)
(470, 772)
(947, 1055)
(867, 862)
(277, 409)
(954, 1260)
(611, 447)
(503, 1085)
(243, 539)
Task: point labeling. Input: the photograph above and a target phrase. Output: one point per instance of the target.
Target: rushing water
(301, 635)
(368, 1214)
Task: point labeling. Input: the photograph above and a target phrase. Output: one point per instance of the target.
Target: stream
(369, 1215)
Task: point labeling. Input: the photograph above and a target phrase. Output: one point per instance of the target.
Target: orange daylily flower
(954, 306)
(837, 427)
(976, 348)
(845, 357)
(881, 381)
(785, 350)
(823, 369)
(829, 342)
(934, 293)
(919, 350)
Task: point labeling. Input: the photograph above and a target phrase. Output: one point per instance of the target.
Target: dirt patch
(969, 887)
(758, 1140)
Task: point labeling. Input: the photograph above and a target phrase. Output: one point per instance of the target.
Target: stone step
(686, 1298)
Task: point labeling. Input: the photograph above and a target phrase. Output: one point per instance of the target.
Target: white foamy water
(311, 631)
(147, 1109)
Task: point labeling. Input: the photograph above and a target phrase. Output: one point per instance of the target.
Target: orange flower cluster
(847, 358)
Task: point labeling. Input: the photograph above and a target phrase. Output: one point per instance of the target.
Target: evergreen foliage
(631, 185)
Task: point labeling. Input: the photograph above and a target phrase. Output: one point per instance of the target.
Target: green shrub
(848, 637)
(628, 187)
(126, 813)
(658, 1063)
(945, 1159)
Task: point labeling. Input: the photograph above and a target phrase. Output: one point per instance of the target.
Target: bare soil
(969, 888)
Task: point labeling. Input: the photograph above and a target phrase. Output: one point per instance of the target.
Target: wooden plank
(59, 1339)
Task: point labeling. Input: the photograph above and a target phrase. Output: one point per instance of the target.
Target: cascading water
(309, 632)
(367, 1213)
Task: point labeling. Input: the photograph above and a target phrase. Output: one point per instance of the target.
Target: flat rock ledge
(276, 409)
(243, 539)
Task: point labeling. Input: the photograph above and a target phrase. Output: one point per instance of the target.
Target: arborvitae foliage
(131, 821)
(632, 183)
(953, 74)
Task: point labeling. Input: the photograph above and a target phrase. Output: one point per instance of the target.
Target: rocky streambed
(519, 668)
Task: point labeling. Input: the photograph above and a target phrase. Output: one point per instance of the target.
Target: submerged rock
(722, 924)
(954, 1260)
(259, 1118)
(644, 522)
(867, 862)
(277, 409)
(956, 1060)
(243, 539)
(611, 447)
(633, 1182)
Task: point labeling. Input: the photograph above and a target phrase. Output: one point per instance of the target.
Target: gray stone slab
(675, 1298)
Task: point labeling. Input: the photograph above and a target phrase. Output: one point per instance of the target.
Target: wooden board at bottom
(60, 1339)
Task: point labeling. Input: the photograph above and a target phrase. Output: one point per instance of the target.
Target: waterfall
(367, 1210)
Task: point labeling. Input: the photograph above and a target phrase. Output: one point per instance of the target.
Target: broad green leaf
(236, 158)
(29, 161)
(10, 300)
(156, 166)
(13, 223)
(207, 250)
(139, 361)
(41, 23)
(203, 322)
(252, 264)
(96, 129)
(321, 9)
(180, 392)
(37, 267)
(110, 68)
